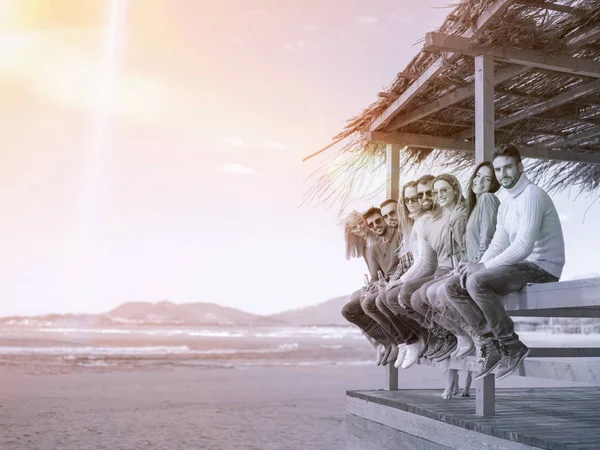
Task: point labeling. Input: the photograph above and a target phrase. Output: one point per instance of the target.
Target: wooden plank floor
(549, 418)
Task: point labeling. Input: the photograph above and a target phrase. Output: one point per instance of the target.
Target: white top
(528, 229)
(416, 243)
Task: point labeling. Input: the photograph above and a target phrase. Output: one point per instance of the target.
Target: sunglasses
(442, 191)
(421, 195)
(413, 199)
(375, 222)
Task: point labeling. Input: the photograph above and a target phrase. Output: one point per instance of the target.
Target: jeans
(371, 309)
(354, 313)
(487, 287)
(410, 329)
(404, 300)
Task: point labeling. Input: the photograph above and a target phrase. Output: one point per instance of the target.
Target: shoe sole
(487, 372)
(507, 374)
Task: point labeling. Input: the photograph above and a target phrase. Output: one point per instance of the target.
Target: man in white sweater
(527, 247)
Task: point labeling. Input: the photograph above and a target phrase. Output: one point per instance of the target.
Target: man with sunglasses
(389, 212)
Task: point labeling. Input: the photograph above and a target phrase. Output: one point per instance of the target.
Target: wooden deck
(548, 418)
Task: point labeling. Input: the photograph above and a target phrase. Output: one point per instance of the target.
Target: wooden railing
(577, 298)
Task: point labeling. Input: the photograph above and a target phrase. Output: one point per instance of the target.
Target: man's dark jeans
(487, 287)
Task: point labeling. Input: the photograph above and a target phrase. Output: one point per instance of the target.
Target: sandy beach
(193, 408)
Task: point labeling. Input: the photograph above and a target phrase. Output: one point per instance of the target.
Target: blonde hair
(456, 187)
(355, 244)
(405, 222)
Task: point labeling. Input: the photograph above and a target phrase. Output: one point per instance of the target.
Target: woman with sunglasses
(482, 207)
(447, 224)
(359, 238)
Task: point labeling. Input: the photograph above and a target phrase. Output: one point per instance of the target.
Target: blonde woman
(444, 231)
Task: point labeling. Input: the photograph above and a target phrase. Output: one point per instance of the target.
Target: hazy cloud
(367, 20)
(401, 18)
(278, 146)
(238, 169)
(310, 28)
(235, 142)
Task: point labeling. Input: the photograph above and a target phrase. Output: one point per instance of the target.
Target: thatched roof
(536, 106)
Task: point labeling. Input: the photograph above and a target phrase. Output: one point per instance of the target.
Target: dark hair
(388, 201)
(471, 197)
(425, 179)
(371, 212)
(511, 151)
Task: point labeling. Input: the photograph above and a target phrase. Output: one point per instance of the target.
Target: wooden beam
(485, 396)
(419, 140)
(574, 138)
(581, 293)
(484, 108)
(446, 124)
(579, 12)
(387, 95)
(564, 352)
(443, 143)
(519, 94)
(450, 99)
(560, 99)
(486, 17)
(558, 63)
(589, 311)
(391, 378)
(408, 75)
(392, 164)
(580, 156)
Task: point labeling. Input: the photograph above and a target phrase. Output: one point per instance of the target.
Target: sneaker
(512, 356)
(464, 346)
(412, 355)
(392, 356)
(402, 348)
(490, 358)
(387, 350)
(433, 346)
(450, 343)
(439, 342)
(379, 350)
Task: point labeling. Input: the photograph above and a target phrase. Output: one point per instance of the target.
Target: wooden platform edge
(431, 429)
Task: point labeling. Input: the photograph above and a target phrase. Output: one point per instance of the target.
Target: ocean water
(33, 348)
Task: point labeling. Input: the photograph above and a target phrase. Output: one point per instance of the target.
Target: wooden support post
(391, 377)
(485, 396)
(392, 163)
(484, 108)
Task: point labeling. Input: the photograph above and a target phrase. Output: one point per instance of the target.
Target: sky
(151, 149)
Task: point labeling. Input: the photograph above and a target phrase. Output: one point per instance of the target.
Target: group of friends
(440, 263)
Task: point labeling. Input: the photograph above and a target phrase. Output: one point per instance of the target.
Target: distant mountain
(169, 313)
(325, 313)
(192, 313)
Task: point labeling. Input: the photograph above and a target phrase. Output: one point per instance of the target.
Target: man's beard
(427, 206)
